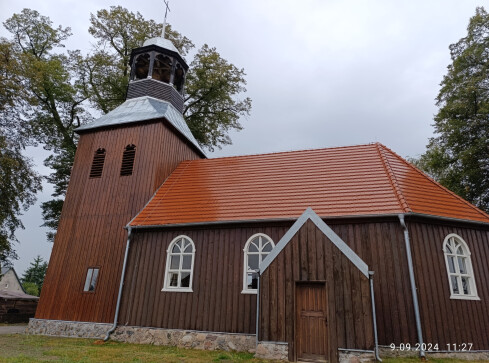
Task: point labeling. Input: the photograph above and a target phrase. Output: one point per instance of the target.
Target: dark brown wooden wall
(216, 303)
(311, 256)
(95, 211)
(380, 244)
(14, 311)
(444, 320)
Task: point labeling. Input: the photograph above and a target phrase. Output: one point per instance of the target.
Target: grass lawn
(431, 360)
(29, 348)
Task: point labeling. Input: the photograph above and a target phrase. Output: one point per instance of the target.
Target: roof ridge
(392, 178)
(289, 151)
(161, 186)
(433, 181)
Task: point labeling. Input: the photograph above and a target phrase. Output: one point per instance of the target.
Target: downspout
(422, 354)
(257, 307)
(116, 316)
(374, 317)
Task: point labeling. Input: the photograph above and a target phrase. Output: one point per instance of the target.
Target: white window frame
(457, 274)
(245, 262)
(89, 279)
(166, 284)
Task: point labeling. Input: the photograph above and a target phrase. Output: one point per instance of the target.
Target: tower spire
(167, 9)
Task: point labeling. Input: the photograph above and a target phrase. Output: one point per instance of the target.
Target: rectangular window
(91, 280)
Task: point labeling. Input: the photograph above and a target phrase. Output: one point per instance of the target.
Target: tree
(30, 288)
(213, 85)
(211, 108)
(35, 275)
(458, 156)
(49, 105)
(51, 90)
(18, 187)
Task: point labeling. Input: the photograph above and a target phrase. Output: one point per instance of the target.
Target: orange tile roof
(343, 181)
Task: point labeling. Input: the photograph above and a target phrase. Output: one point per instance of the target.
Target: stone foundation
(355, 357)
(186, 338)
(72, 329)
(138, 335)
(272, 350)
(472, 356)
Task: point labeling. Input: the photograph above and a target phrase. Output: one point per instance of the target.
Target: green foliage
(211, 108)
(458, 157)
(30, 288)
(47, 104)
(35, 274)
(47, 93)
(18, 186)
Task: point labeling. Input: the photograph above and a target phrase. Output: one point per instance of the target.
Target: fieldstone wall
(186, 339)
(138, 335)
(355, 357)
(72, 329)
(272, 350)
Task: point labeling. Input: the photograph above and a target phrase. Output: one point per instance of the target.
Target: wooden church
(302, 255)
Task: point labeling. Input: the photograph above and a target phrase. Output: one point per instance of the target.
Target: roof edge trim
(309, 214)
(362, 216)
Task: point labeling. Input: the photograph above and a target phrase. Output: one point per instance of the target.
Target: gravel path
(12, 329)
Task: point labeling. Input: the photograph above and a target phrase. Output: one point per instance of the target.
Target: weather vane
(164, 21)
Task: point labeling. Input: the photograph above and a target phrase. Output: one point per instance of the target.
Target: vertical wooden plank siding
(95, 211)
(337, 271)
(444, 320)
(216, 303)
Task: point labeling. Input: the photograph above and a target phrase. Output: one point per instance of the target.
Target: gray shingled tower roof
(143, 109)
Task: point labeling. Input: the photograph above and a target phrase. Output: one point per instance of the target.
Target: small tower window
(141, 66)
(459, 268)
(162, 68)
(91, 280)
(97, 164)
(179, 77)
(128, 160)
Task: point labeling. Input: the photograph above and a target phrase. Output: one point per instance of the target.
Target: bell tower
(121, 159)
(158, 70)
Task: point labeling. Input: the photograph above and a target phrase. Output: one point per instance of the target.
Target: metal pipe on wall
(121, 285)
(374, 316)
(422, 353)
(257, 307)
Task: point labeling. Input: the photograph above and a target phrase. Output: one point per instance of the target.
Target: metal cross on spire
(164, 21)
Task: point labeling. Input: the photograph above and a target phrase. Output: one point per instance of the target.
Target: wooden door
(311, 322)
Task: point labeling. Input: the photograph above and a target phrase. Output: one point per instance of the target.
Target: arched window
(141, 66)
(179, 265)
(97, 164)
(162, 68)
(256, 249)
(128, 160)
(459, 268)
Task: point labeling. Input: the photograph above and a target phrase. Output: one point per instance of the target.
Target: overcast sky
(320, 73)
